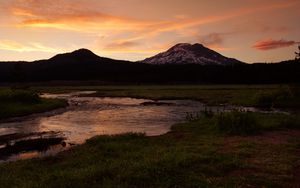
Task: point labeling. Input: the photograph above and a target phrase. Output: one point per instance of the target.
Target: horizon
(250, 31)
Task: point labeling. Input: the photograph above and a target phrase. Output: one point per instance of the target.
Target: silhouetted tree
(298, 53)
(18, 73)
(19, 77)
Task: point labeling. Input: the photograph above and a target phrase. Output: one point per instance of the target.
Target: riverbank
(193, 154)
(16, 103)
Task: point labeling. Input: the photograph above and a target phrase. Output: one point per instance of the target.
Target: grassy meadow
(199, 153)
(229, 149)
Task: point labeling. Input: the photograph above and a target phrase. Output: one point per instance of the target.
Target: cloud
(212, 39)
(134, 47)
(121, 45)
(32, 47)
(22, 12)
(215, 41)
(93, 20)
(80, 21)
(273, 44)
(84, 17)
(66, 15)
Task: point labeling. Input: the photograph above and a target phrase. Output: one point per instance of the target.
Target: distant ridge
(185, 53)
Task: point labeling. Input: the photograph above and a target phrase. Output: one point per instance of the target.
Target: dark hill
(80, 56)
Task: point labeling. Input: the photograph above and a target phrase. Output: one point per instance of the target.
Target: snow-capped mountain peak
(185, 53)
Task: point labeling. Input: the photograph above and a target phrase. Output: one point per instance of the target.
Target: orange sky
(249, 30)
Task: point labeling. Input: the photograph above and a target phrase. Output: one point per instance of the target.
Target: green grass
(285, 96)
(194, 154)
(14, 103)
(246, 123)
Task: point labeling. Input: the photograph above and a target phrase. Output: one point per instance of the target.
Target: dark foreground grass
(194, 154)
(15, 103)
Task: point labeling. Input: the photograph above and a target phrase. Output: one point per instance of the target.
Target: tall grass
(242, 122)
(15, 103)
(237, 123)
(287, 96)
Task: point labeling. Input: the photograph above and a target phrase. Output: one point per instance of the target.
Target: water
(90, 116)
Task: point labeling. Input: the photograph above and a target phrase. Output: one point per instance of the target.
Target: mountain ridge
(185, 53)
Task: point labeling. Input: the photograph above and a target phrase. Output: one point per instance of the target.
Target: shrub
(237, 123)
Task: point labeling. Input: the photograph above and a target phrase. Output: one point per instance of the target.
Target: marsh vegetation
(211, 149)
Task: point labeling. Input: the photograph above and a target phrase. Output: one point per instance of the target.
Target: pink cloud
(273, 44)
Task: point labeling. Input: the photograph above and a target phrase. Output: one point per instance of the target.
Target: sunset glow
(249, 30)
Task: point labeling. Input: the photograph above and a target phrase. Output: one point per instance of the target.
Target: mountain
(185, 53)
(80, 56)
(81, 64)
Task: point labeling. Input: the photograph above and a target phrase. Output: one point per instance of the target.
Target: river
(87, 117)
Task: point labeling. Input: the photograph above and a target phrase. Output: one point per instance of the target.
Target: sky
(248, 30)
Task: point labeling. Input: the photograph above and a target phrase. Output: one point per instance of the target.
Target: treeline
(113, 71)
